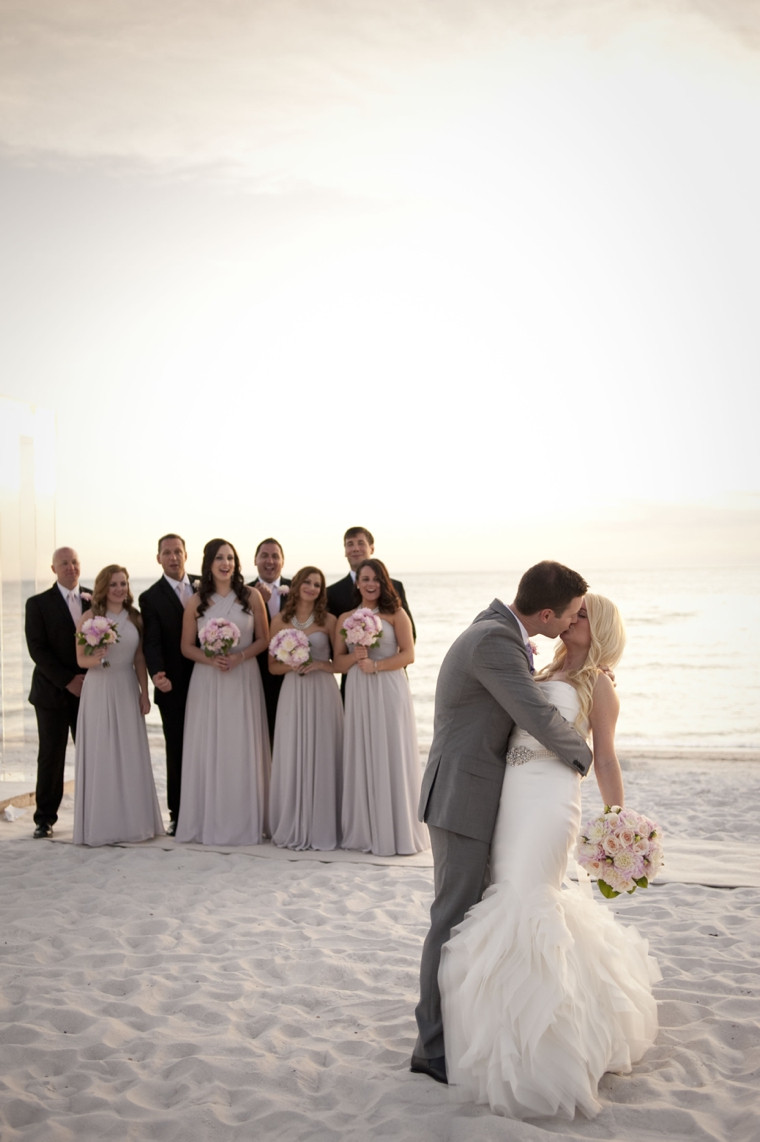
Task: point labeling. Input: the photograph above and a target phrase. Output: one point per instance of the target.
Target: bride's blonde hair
(606, 649)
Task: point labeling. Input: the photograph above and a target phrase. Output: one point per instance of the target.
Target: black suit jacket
(162, 635)
(50, 637)
(270, 682)
(341, 597)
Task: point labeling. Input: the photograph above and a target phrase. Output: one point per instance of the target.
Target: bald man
(51, 619)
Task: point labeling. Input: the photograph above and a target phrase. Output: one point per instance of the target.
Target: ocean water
(688, 681)
(689, 678)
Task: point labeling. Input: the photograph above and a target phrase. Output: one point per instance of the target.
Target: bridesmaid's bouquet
(362, 628)
(291, 647)
(218, 636)
(621, 848)
(96, 632)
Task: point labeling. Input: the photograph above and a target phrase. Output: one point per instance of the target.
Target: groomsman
(269, 560)
(162, 607)
(358, 544)
(51, 619)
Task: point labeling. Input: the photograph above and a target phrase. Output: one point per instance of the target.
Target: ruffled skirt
(543, 991)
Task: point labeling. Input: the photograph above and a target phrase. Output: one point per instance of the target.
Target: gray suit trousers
(461, 872)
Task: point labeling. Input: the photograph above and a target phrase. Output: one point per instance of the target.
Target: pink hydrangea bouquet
(362, 628)
(290, 647)
(621, 848)
(96, 632)
(218, 636)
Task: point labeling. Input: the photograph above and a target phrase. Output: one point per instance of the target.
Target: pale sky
(478, 274)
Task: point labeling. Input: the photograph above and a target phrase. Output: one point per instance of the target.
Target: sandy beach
(163, 992)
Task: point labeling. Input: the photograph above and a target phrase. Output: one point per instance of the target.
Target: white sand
(166, 992)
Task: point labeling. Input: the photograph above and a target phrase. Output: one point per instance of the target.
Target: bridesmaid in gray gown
(304, 801)
(381, 764)
(114, 791)
(226, 757)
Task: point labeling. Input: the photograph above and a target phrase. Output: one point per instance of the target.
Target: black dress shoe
(436, 1068)
(42, 831)
(171, 828)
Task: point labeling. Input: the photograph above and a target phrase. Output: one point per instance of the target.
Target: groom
(485, 688)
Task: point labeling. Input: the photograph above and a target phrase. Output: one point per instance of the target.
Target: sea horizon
(688, 681)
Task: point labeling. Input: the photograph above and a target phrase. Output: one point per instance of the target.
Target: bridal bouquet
(621, 848)
(291, 647)
(218, 636)
(362, 628)
(97, 631)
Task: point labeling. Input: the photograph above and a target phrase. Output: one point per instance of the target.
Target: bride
(542, 990)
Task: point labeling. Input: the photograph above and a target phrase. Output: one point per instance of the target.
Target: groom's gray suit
(484, 689)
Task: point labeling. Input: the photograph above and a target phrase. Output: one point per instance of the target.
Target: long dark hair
(207, 588)
(99, 601)
(288, 608)
(389, 600)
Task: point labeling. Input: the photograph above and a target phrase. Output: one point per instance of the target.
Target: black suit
(162, 614)
(343, 596)
(270, 682)
(50, 637)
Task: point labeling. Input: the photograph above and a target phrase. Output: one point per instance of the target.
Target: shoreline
(18, 776)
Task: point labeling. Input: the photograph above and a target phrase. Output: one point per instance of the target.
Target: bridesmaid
(381, 764)
(225, 756)
(115, 794)
(304, 802)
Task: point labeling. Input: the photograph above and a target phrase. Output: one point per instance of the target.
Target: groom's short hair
(548, 586)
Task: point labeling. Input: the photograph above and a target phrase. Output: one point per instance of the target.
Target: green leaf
(606, 891)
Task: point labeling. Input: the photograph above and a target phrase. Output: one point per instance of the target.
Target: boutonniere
(284, 590)
(85, 596)
(196, 584)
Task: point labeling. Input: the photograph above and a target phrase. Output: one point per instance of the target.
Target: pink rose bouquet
(621, 848)
(218, 636)
(362, 628)
(291, 647)
(96, 632)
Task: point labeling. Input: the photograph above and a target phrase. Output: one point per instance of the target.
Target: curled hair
(389, 600)
(288, 609)
(99, 601)
(207, 588)
(606, 649)
(548, 586)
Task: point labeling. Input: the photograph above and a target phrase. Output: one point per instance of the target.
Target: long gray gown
(226, 756)
(114, 791)
(381, 764)
(304, 800)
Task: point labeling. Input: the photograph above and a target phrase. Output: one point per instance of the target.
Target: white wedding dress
(542, 989)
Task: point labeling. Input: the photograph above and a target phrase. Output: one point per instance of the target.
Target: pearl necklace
(303, 625)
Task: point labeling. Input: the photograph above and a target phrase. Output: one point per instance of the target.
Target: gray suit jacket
(484, 689)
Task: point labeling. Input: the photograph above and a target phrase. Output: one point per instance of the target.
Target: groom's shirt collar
(523, 632)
